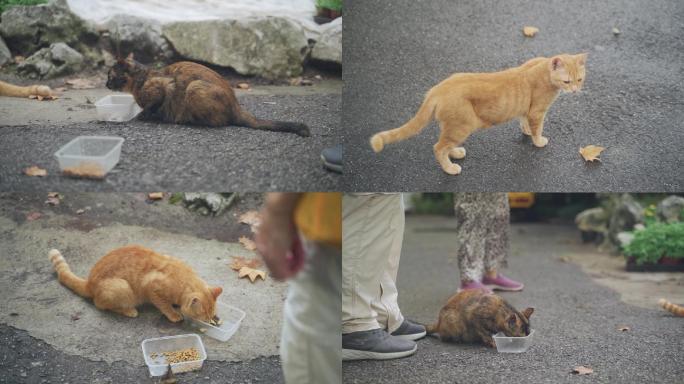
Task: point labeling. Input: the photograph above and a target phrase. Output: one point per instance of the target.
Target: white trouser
(372, 233)
(310, 345)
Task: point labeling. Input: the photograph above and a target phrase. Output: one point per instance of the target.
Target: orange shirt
(318, 216)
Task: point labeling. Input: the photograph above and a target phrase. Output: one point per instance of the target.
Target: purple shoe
(474, 285)
(502, 283)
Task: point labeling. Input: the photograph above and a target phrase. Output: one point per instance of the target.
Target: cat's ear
(194, 302)
(216, 291)
(556, 63)
(528, 312)
(581, 58)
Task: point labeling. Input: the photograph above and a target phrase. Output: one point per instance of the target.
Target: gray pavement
(48, 333)
(632, 102)
(575, 318)
(159, 156)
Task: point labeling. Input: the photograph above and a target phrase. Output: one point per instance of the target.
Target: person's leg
(497, 244)
(370, 228)
(470, 238)
(386, 306)
(311, 335)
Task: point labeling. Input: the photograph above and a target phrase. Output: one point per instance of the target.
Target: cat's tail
(432, 328)
(411, 128)
(66, 277)
(246, 119)
(674, 308)
(7, 89)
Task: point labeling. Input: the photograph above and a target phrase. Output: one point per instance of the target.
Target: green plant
(656, 241)
(650, 215)
(434, 203)
(5, 4)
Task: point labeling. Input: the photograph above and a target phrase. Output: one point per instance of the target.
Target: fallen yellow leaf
(155, 195)
(239, 262)
(252, 273)
(247, 243)
(623, 328)
(35, 171)
(582, 370)
(251, 218)
(243, 85)
(530, 31)
(591, 152)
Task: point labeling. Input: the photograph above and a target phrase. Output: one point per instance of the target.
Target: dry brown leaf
(582, 370)
(18, 59)
(247, 243)
(54, 194)
(251, 218)
(76, 316)
(81, 83)
(239, 262)
(35, 171)
(252, 273)
(243, 85)
(591, 152)
(33, 216)
(80, 211)
(52, 201)
(296, 81)
(623, 328)
(530, 31)
(155, 195)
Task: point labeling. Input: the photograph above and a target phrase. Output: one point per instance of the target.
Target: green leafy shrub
(5, 4)
(655, 241)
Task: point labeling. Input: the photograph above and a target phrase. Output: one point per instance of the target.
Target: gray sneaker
(375, 344)
(409, 330)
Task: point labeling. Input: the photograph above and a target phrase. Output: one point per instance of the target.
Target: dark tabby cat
(473, 315)
(188, 93)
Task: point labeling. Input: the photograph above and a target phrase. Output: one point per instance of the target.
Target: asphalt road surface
(575, 319)
(632, 101)
(159, 156)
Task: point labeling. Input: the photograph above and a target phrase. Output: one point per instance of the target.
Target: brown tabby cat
(473, 315)
(466, 102)
(130, 276)
(188, 93)
(11, 90)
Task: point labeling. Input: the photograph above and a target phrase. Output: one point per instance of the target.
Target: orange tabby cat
(466, 102)
(130, 276)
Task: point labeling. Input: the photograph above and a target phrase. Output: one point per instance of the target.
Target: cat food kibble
(173, 357)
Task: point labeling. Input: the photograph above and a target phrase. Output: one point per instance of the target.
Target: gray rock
(328, 46)
(59, 59)
(270, 47)
(5, 54)
(626, 214)
(28, 28)
(592, 220)
(624, 238)
(670, 209)
(208, 203)
(142, 37)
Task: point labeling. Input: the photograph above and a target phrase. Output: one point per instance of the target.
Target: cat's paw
(540, 142)
(130, 312)
(457, 153)
(452, 169)
(174, 317)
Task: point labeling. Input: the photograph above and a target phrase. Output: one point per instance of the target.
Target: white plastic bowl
(505, 344)
(158, 365)
(117, 108)
(100, 153)
(231, 317)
